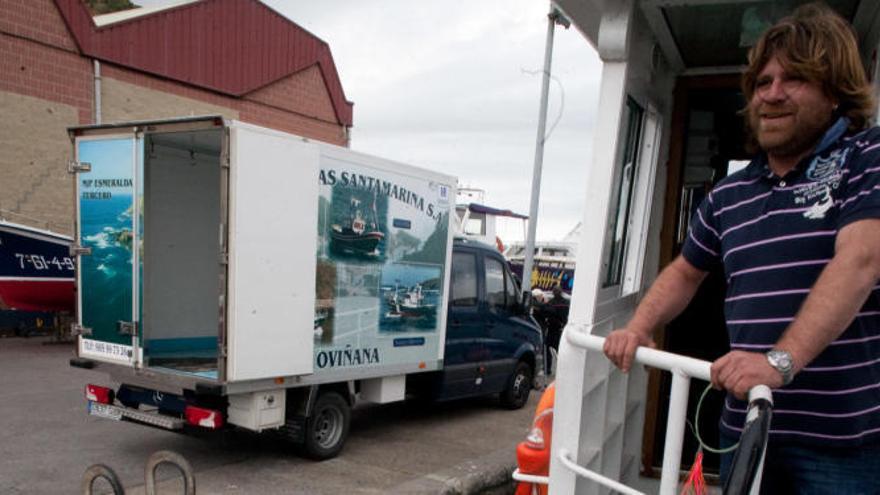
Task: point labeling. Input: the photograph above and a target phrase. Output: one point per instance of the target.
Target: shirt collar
(759, 166)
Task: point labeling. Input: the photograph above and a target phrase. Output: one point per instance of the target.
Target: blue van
(493, 345)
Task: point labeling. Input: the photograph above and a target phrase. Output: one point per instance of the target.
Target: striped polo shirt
(773, 236)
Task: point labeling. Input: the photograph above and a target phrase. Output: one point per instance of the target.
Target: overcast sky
(454, 86)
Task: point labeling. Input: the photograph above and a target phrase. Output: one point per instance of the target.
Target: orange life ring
(533, 454)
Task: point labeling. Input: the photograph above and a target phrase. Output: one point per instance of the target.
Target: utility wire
(561, 99)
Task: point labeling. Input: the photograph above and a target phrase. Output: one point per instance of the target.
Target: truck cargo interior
(182, 273)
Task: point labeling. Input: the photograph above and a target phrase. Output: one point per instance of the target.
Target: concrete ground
(47, 441)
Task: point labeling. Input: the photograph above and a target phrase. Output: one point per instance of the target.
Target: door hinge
(77, 329)
(74, 167)
(225, 159)
(224, 258)
(75, 250)
(126, 327)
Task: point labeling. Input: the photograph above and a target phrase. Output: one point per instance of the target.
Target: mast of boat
(375, 213)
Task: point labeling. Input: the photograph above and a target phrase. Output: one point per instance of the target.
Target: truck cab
(493, 346)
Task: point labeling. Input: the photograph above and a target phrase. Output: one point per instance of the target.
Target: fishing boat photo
(409, 303)
(356, 236)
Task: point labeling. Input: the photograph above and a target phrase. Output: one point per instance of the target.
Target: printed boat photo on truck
(381, 258)
(410, 297)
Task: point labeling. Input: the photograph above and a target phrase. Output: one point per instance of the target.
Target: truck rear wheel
(519, 385)
(327, 427)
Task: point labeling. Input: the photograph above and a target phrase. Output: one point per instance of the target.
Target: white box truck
(229, 274)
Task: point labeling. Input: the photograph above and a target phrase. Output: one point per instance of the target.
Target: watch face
(780, 360)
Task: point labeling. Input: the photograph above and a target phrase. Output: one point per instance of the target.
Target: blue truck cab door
(508, 331)
(466, 354)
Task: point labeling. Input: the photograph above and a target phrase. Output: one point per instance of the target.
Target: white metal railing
(683, 368)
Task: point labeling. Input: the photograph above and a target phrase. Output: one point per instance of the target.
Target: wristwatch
(781, 361)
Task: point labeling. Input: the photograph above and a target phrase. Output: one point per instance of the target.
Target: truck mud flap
(294, 429)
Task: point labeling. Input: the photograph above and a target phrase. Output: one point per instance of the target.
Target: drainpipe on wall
(97, 92)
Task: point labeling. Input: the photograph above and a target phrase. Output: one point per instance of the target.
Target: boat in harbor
(554, 261)
(36, 269)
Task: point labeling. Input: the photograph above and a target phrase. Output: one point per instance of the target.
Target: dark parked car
(493, 345)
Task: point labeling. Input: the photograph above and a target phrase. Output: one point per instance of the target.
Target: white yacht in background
(554, 261)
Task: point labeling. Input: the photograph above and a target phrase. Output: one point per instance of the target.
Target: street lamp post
(553, 18)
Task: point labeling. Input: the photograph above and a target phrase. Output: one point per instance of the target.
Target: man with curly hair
(797, 233)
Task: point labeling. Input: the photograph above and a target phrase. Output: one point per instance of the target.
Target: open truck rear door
(109, 231)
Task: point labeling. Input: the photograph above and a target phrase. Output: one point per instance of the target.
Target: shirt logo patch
(822, 169)
(824, 175)
(819, 208)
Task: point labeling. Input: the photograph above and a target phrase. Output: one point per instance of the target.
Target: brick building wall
(46, 85)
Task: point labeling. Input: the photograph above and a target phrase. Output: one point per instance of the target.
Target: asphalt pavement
(48, 441)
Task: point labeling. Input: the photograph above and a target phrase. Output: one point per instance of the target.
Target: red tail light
(95, 393)
(206, 418)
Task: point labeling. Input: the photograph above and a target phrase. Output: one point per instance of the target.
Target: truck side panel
(382, 274)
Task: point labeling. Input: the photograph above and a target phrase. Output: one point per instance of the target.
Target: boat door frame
(671, 208)
(630, 73)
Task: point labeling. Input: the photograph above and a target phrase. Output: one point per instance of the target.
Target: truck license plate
(104, 411)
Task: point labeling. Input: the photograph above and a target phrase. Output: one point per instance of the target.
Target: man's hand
(739, 371)
(620, 347)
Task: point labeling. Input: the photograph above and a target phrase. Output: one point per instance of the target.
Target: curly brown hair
(814, 42)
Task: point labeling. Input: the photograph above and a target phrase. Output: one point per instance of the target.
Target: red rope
(695, 484)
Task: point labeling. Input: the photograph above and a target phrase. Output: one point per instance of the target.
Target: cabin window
(495, 290)
(620, 220)
(476, 224)
(464, 279)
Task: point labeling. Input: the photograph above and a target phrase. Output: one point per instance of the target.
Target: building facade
(60, 67)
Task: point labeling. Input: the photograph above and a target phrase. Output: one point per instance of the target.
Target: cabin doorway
(707, 143)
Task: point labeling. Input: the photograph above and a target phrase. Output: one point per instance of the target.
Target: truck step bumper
(118, 413)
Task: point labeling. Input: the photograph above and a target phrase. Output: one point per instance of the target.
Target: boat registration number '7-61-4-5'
(104, 411)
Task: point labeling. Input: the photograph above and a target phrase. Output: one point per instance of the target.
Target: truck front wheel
(519, 385)
(327, 427)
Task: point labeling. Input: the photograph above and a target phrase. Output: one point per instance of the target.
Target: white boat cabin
(669, 102)
(479, 222)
